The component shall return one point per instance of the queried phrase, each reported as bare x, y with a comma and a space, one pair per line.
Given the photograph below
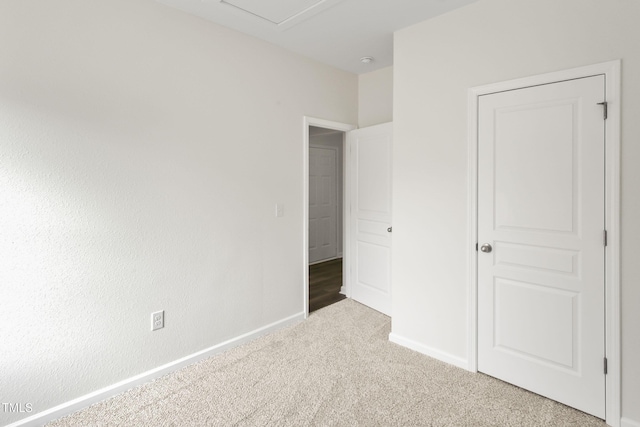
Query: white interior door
370, 234
541, 209
323, 204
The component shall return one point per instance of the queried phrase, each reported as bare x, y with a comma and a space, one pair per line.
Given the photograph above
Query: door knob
486, 248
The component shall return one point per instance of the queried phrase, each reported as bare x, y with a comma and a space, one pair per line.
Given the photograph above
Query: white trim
112, 390
626, 422
343, 127
472, 238
346, 219
460, 362
613, 89
611, 71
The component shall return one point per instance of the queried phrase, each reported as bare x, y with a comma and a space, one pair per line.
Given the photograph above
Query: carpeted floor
335, 369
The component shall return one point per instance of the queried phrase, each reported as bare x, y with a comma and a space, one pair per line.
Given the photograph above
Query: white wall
335, 139
142, 152
435, 63
375, 97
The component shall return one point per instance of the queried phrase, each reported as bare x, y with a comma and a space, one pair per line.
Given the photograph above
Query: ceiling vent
282, 14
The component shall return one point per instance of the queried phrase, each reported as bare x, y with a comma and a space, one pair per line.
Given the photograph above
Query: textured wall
436, 62
142, 152
375, 97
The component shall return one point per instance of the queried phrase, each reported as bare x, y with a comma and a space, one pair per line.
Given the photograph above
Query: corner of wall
429, 351
375, 97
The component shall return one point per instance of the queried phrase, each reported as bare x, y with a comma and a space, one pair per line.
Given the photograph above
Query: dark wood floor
325, 280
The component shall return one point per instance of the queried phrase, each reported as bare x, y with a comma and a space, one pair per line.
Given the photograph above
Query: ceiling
335, 32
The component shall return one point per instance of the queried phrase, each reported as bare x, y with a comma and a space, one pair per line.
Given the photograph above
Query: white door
541, 209
323, 207
370, 256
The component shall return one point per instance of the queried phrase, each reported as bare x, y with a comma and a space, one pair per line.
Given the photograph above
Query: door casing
344, 127
611, 71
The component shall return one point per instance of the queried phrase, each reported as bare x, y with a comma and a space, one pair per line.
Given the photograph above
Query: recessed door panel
529, 196
534, 322
374, 169
537, 259
373, 276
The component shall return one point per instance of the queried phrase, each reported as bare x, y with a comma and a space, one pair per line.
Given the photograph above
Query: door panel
323, 207
526, 198
541, 208
371, 216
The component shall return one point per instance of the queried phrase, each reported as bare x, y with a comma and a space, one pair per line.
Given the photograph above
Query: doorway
366, 211
326, 219
328, 262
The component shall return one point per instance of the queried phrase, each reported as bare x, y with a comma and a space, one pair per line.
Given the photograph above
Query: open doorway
326, 228
326, 219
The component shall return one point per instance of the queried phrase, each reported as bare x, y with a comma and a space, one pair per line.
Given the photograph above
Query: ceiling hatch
281, 13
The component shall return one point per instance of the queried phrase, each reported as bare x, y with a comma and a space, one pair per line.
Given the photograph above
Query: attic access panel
281, 13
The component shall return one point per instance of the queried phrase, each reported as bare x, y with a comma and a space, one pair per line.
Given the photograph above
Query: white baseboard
429, 351
112, 390
626, 422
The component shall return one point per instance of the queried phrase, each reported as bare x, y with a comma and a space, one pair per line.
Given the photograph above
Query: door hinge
604, 237
605, 109
605, 366
476, 247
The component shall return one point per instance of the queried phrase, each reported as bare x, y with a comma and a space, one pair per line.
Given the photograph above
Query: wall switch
279, 210
157, 320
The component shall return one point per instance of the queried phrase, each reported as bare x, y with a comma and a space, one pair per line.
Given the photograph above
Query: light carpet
337, 368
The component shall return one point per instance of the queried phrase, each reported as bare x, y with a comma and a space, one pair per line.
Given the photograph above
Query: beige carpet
335, 369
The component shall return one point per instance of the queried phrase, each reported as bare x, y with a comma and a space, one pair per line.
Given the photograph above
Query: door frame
611, 70
344, 127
